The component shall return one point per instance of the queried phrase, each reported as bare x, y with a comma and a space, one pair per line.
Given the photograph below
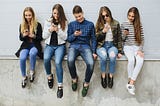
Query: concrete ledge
38, 93
147, 57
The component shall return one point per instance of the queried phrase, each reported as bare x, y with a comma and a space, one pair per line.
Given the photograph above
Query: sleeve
46, 34
93, 39
21, 35
122, 34
142, 39
39, 33
70, 34
119, 38
63, 34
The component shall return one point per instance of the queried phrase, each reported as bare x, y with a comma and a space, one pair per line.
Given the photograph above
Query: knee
112, 56
47, 58
33, 54
23, 58
90, 64
58, 63
131, 60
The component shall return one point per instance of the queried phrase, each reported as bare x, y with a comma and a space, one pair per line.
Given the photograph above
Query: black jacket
37, 41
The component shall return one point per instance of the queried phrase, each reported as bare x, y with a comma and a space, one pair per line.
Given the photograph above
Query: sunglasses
103, 16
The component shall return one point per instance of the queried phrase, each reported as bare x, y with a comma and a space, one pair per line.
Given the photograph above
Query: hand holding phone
126, 31
77, 32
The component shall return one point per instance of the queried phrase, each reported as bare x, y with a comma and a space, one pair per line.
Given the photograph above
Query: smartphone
126, 29
77, 29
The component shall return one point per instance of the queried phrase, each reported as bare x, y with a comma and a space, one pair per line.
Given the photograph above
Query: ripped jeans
107, 51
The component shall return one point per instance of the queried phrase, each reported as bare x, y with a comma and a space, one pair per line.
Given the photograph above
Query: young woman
133, 37
31, 35
55, 34
109, 44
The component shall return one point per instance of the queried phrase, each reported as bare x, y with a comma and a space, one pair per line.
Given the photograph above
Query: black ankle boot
60, 92
104, 81
110, 81
51, 82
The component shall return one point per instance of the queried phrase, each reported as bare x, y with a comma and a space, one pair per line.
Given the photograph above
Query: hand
140, 53
126, 32
53, 28
31, 35
94, 56
106, 28
119, 55
77, 33
26, 33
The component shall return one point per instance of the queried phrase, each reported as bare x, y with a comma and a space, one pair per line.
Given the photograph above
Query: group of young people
106, 40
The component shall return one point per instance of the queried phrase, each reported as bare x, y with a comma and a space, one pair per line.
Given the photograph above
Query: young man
82, 39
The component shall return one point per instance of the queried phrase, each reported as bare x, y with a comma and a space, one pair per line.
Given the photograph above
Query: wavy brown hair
137, 24
25, 24
100, 21
61, 18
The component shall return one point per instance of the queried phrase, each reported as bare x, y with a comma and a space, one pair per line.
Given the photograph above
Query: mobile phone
77, 29
126, 29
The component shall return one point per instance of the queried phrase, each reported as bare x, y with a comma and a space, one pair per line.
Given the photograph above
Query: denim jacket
117, 39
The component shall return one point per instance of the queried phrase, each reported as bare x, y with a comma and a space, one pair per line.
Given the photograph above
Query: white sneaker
130, 89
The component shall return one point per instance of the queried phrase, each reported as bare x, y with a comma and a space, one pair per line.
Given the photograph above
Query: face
55, 14
105, 16
131, 16
28, 16
79, 17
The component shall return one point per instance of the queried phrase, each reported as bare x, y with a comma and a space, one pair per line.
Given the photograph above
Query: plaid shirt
86, 40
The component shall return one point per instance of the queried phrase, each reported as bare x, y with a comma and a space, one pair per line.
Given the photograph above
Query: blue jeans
32, 52
58, 52
108, 50
87, 56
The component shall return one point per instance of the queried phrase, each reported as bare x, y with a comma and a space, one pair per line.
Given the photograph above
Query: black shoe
50, 82
110, 81
24, 82
32, 76
60, 92
104, 81
85, 90
75, 84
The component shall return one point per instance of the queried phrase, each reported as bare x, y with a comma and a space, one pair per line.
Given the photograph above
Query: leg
112, 52
59, 55
23, 57
88, 58
72, 54
48, 53
112, 58
131, 61
103, 58
32, 56
103, 62
138, 67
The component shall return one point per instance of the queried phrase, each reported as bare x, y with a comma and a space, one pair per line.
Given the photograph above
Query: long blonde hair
25, 25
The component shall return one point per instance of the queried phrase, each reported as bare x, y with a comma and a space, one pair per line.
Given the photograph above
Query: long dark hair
62, 18
136, 23
100, 21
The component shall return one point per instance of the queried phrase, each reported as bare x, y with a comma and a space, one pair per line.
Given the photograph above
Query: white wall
11, 15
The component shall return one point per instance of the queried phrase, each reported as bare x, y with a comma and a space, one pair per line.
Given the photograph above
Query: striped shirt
130, 39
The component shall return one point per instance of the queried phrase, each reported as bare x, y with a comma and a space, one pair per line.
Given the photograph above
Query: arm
46, 34
63, 34
119, 39
39, 33
21, 37
71, 37
93, 39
